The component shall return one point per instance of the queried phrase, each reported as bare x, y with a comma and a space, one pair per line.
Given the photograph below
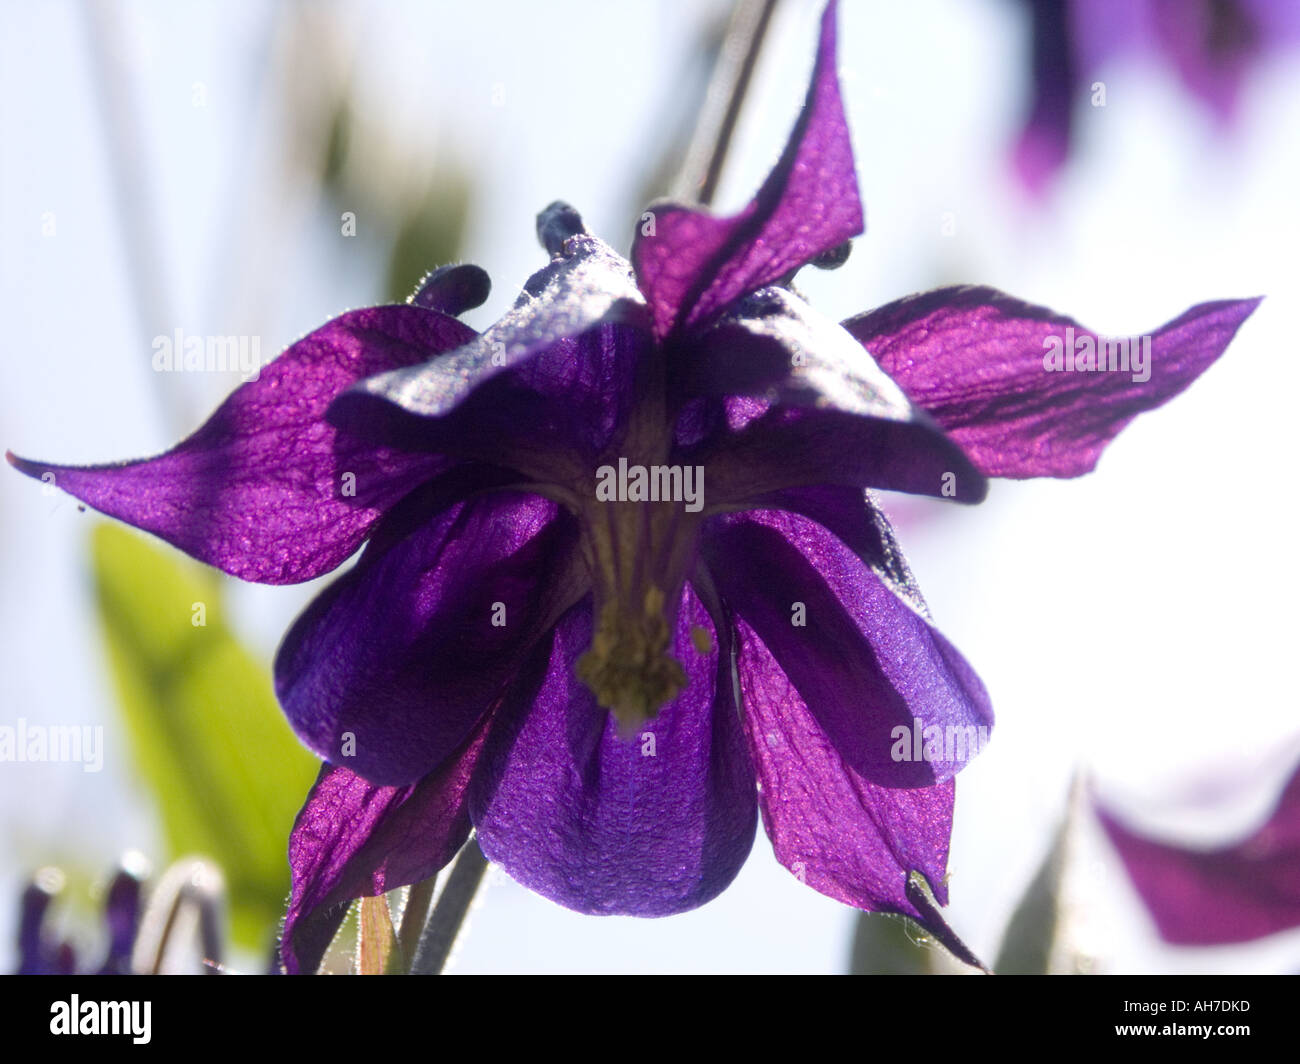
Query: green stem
727, 90
449, 912
414, 915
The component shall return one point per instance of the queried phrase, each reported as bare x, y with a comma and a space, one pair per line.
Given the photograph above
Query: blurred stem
727, 90
378, 952
134, 202
193, 884
450, 911
418, 900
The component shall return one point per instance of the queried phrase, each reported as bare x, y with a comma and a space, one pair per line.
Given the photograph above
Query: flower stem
415, 915
448, 914
727, 89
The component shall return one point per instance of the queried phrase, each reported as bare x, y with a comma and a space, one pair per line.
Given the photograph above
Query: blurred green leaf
885, 944
207, 735
1027, 942
420, 218
1039, 938
336, 146
429, 233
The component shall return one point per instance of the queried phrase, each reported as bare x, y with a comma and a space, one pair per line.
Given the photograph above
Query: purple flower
41, 953
38, 953
623, 588
1233, 893
1211, 44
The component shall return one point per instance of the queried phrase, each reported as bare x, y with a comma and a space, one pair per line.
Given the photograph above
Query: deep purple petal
654, 824
353, 839
829, 414
388, 670
695, 265
1232, 894
837, 832
266, 489
855, 518
122, 918
559, 362
37, 955
976, 360
730, 358
898, 701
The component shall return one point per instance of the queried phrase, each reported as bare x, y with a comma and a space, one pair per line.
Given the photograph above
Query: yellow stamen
628, 667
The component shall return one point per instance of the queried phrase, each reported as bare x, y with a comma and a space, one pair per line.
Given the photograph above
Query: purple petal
827, 415
353, 839
1213, 46
122, 917
647, 826
388, 670
695, 265
263, 490
1045, 141
1232, 894
36, 954
896, 699
977, 360
586, 288
855, 519
837, 832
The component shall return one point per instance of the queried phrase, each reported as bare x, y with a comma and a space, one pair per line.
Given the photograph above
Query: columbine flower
1211, 44
607, 683
1210, 896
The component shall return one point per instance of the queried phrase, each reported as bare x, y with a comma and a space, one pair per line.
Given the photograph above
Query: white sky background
1137, 624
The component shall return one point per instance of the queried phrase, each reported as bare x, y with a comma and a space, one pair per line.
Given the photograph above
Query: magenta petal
837, 832
654, 824
388, 670
266, 489
1232, 894
694, 265
1213, 47
976, 360
353, 840
896, 699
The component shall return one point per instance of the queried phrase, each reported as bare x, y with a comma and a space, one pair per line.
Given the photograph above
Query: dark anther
556, 224
835, 258
454, 289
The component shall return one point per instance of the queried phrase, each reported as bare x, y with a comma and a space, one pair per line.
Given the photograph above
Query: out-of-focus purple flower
122, 916
39, 953
1211, 44
1207, 897
608, 681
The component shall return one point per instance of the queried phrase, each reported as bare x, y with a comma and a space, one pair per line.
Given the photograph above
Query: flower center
640, 554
